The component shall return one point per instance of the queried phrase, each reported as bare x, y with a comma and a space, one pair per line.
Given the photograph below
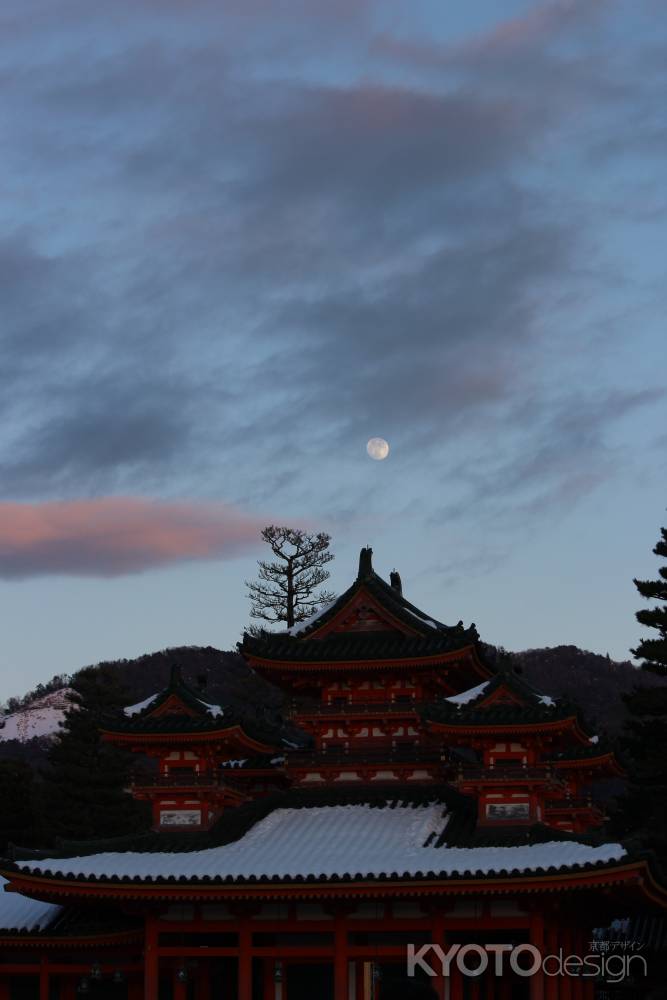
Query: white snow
546, 700
41, 718
422, 618
18, 913
594, 739
140, 705
215, 710
330, 841
470, 695
301, 626
234, 763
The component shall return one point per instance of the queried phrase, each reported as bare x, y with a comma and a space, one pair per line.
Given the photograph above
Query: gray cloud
227, 267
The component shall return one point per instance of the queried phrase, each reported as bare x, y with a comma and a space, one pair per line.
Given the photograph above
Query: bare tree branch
286, 588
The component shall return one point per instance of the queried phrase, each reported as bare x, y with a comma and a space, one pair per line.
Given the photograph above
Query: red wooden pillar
340, 958
268, 972
455, 982
44, 978
4, 989
438, 933
151, 959
566, 981
203, 981
245, 960
359, 980
537, 940
578, 982
552, 982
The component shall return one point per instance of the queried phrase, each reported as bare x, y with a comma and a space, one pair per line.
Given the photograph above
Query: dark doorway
310, 981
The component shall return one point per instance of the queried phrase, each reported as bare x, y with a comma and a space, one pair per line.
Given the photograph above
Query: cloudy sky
240, 239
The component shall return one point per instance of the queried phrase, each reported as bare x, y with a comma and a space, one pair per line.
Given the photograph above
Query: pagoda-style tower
360, 672
207, 757
525, 757
389, 695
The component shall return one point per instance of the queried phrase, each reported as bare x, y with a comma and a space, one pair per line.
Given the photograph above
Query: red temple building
420, 794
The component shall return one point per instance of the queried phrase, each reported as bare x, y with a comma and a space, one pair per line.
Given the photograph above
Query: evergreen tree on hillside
83, 793
643, 811
19, 822
653, 651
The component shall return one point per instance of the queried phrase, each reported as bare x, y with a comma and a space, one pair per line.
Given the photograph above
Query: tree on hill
19, 823
643, 811
287, 587
83, 792
653, 651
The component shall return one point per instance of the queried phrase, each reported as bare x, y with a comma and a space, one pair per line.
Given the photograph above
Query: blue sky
239, 240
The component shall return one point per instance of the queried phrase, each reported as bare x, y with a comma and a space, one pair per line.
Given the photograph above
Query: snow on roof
594, 739
18, 913
330, 841
545, 699
215, 710
470, 695
302, 626
140, 705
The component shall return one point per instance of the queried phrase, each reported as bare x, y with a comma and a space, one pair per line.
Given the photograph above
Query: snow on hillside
41, 718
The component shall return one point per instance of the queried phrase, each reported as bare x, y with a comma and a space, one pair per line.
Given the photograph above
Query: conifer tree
84, 791
286, 590
18, 816
643, 810
653, 651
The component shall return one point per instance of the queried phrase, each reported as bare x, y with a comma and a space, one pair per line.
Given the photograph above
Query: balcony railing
480, 772
569, 804
358, 756
176, 780
351, 708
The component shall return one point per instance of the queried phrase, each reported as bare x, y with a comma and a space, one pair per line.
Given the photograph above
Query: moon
377, 448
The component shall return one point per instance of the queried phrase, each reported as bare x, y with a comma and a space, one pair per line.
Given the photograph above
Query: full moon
377, 448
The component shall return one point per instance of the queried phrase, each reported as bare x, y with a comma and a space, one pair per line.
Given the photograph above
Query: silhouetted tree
654, 651
286, 590
19, 822
643, 810
84, 791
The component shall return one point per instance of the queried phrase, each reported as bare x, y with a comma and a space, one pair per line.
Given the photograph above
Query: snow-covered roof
18, 913
130, 710
140, 705
330, 842
307, 622
470, 695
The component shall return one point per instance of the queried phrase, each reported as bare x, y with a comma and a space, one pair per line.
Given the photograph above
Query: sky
238, 240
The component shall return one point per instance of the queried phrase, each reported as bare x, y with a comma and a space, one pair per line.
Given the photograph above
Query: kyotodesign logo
522, 960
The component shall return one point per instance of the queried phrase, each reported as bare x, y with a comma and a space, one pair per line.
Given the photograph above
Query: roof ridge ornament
365, 563
395, 581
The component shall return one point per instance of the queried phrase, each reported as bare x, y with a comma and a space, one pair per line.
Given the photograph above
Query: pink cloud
112, 536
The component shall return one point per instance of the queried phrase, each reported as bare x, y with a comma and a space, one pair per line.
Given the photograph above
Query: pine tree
286, 588
19, 822
84, 791
643, 810
654, 651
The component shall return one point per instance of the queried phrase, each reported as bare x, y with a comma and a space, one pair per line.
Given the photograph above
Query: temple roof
503, 700
399, 629
393, 839
20, 914
178, 709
